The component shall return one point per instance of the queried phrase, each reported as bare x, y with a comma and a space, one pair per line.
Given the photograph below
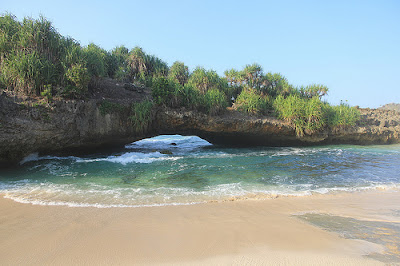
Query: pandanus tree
313, 90
96, 60
119, 57
179, 72
137, 62
121, 54
143, 67
275, 84
156, 67
234, 81
9, 28
30, 54
234, 78
253, 76
205, 80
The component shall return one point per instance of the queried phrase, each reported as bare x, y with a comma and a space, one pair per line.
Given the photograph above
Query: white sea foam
175, 143
30, 157
129, 157
95, 205
306, 151
170, 142
35, 157
102, 196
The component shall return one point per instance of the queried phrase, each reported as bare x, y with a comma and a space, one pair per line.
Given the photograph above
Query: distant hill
391, 106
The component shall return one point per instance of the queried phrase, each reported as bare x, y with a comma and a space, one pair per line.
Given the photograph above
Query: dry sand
251, 232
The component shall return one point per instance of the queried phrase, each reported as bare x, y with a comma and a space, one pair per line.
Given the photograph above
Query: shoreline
231, 232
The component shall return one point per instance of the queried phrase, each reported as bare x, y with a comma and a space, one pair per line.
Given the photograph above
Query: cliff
234, 128
32, 125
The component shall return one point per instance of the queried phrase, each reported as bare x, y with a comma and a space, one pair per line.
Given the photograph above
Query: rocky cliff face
234, 128
62, 125
375, 127
231, 128
28, 126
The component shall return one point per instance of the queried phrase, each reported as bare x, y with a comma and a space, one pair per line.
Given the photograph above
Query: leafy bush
188, 96
163, 91
179, 72
96, 60
31, 60
342, 115
47, 93
204, 80
214, 101
304, 114
143, 67
33, 55
275, 84
27, 72
315, 116
79, 76
313, 90
120, 55
250, 101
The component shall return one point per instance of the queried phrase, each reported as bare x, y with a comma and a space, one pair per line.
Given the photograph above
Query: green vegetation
179, 72
34, 55
342, 115
252, 101
214, 101
141, 115
312, 114
36, 60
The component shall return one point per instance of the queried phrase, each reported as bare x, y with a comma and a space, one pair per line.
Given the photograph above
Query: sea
183, 170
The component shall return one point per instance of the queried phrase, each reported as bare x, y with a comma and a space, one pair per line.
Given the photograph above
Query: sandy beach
246, 232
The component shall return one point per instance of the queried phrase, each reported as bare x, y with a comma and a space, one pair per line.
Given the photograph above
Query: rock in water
166, 152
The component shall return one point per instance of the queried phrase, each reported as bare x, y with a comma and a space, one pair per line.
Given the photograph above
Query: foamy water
176, 170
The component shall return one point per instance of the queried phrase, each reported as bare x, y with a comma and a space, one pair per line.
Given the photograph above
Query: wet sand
252, 232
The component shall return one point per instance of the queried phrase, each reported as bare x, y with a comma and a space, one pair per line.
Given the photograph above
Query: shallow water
196, 171
386, 234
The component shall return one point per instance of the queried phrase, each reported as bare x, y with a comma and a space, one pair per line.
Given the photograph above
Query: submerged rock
165, 152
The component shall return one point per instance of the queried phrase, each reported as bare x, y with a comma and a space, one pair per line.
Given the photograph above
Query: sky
353, 47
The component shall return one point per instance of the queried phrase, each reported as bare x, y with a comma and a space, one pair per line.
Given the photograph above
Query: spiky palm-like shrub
304, 114
162, 91
205, 80
141, 115
79, 76
214, 101
342, 115
251, 101
189, 97
96, 60
29, 54
179, 72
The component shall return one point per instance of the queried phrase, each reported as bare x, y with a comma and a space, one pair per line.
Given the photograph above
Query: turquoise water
196, 171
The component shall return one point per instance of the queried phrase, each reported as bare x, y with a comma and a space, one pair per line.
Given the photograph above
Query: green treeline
36, 60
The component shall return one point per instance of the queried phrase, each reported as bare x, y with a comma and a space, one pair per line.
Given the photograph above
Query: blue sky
353, 47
